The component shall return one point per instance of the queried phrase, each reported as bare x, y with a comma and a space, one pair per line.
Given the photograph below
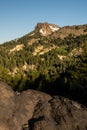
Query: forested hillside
54, 62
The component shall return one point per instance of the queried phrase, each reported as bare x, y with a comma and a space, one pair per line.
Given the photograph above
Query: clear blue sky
19, 17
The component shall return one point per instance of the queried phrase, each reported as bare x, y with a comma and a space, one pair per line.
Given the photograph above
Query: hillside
51, 59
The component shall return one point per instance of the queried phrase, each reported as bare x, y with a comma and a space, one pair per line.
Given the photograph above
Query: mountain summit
46, 28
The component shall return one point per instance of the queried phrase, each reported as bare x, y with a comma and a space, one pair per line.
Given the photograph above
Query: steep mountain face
34, 110
51, 59
46, 29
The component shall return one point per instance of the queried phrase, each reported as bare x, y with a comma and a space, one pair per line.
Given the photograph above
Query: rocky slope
34, 110
45, 29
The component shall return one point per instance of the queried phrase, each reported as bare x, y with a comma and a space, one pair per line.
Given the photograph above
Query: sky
19, 17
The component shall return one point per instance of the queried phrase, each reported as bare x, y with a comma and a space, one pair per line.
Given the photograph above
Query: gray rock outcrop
33, 110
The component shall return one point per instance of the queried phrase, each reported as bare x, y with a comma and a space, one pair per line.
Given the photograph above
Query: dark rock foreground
33, 110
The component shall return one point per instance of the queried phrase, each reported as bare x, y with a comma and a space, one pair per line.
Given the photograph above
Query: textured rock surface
46, 28
32, 110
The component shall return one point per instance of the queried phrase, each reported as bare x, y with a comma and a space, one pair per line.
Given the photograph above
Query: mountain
51, 59
46, 29
34, 110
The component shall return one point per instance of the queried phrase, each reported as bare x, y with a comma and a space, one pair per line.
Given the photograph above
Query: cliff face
45, 29
33, 110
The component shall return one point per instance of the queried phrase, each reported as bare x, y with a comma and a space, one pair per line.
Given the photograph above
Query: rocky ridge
34, 110
45, 28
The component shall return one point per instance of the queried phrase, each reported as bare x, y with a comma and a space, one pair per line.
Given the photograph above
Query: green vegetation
61, 70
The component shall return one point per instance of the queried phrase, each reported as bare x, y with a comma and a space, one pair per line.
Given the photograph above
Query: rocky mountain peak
46, 28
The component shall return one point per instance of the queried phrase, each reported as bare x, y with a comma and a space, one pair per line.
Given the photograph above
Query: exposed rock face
32, 110
16, 109
46, 29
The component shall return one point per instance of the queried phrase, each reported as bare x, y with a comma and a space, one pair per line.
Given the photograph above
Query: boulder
34, 110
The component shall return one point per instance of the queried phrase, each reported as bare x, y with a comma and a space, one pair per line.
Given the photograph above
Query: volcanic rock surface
45, 28
34, 110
